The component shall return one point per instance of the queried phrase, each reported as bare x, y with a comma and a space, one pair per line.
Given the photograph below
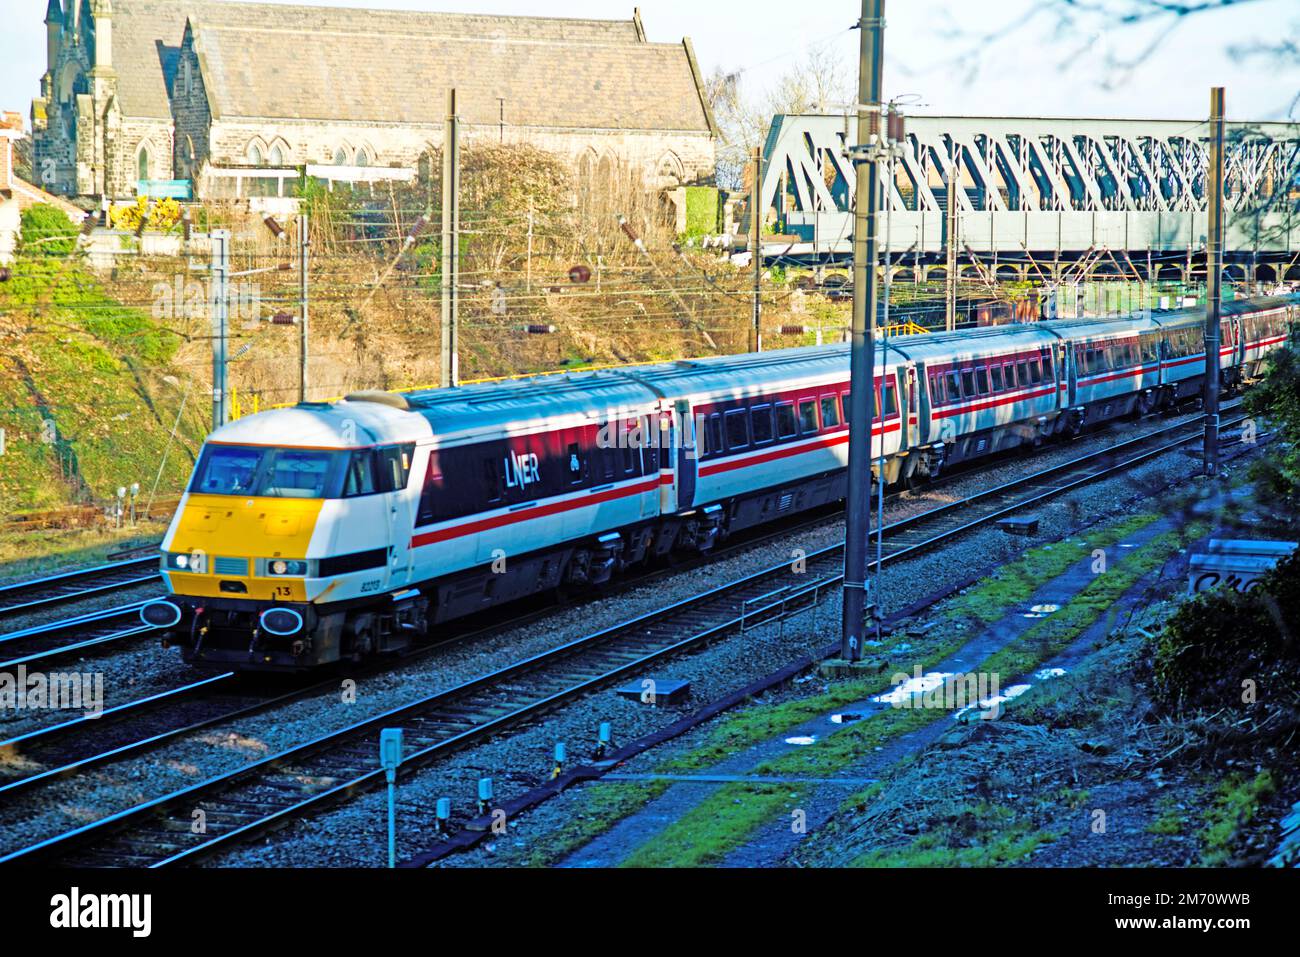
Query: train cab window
294, 473
968, 383
995, 373
713, 436
830, 412
737, 430
760, 423
982, 381
785, 422
807, 416
360, 477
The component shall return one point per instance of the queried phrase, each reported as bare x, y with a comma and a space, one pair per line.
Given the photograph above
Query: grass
44, 551
980, 835
82, 399
599, 807
1235, 805
707, 833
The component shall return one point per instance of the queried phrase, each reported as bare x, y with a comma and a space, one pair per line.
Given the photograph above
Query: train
335, 531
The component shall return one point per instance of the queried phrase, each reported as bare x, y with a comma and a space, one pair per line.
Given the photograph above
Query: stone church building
175, 89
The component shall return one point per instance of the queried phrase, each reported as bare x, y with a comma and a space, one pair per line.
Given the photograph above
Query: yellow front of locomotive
294, 524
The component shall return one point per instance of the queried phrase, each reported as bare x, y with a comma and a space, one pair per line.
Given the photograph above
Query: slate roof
329, 63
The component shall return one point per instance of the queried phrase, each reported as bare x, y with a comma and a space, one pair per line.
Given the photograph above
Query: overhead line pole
220, 323
450, 365
1214, 282
756, 244
304, 240
862, 331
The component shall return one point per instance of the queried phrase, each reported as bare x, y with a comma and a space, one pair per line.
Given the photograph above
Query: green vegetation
701, 211
1277, 398
601, 805
82, 397
979, 835
1224, 642
1236, 803
46, 231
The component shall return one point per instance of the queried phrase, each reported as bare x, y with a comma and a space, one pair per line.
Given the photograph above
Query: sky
953, 57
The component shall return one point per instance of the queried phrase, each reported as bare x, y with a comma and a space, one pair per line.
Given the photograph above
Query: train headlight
288, 566
183, 562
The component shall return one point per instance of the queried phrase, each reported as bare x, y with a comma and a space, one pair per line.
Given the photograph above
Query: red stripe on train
537, 511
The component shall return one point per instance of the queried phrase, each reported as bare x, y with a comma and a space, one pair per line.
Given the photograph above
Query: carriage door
909, 412
393, 467
687, 455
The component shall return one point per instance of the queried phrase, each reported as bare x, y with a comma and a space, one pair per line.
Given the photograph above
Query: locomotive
335, 531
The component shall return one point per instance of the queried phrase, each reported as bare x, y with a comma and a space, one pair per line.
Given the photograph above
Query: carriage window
1047, 368
846, 401
1035, 372
1010, 368
996, 373
982, 381
936, 390
807, 416
492, 478
713, 435
737, 431
628, 456
968, 383
785, 424
952, 386
830, 414
891, 399
760, 419
1023, 373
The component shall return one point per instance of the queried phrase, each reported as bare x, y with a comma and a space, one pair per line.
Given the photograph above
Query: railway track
21, 598
44, 644
276, 790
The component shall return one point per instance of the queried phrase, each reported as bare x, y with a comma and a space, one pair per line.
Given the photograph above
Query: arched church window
253, 154
277, 155
363, 157
340, 157
142, 163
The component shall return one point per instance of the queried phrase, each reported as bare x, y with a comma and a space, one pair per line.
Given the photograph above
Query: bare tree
819, 83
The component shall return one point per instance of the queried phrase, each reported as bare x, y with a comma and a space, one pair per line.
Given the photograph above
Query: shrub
1224, 637
46, 231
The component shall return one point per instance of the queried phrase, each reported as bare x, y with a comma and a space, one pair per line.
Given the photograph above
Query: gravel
353, 835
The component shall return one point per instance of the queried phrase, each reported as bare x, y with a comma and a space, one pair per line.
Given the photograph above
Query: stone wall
687, 156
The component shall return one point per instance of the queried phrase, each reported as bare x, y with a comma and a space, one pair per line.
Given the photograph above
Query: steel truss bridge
1044, 197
